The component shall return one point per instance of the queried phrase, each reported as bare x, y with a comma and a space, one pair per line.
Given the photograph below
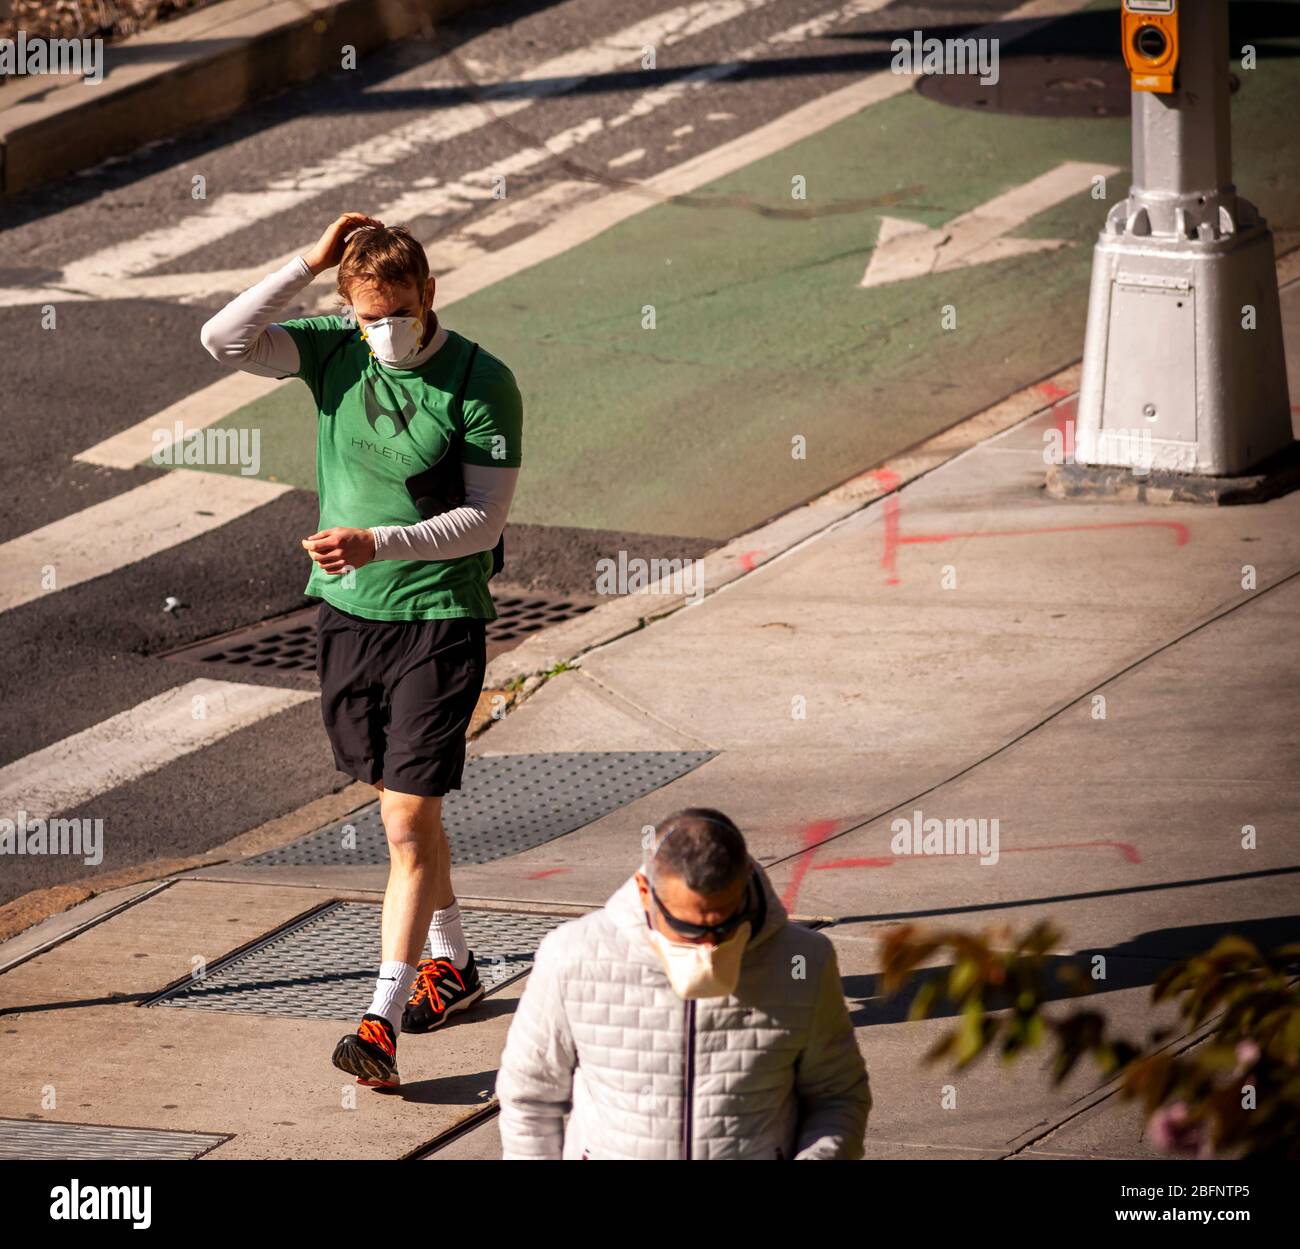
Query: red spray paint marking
1127, 851
843, 863
889, 560
747, 559
888, 480
550, 871
813, 836
1181, 534
1052, 392
1065, 414
1065, 421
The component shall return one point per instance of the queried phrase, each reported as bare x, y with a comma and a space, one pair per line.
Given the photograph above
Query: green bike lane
762, 335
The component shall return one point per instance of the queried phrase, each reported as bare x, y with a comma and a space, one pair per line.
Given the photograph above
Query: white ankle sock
392, 992
447, 938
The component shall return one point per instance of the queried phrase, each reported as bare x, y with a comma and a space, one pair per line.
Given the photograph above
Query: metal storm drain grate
288, 644
507, 804
324, 966
518, 616
78, 1142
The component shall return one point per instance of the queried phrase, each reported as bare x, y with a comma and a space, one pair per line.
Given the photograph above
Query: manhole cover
77, 1142
288, 644
323, 966
1040, 86
507, 803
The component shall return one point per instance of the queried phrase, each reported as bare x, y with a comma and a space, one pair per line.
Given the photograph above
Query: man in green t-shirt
419, 437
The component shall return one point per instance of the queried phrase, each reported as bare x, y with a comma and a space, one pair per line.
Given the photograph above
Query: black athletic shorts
397, 696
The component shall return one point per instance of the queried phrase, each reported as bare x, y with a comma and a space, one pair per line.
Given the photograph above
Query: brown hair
385, 256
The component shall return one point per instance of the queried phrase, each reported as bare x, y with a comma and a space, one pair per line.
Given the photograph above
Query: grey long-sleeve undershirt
244, 336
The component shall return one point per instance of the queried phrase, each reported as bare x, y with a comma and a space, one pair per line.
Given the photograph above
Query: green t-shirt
378, 426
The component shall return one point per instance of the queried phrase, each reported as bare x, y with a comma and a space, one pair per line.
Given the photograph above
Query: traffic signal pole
1184, 390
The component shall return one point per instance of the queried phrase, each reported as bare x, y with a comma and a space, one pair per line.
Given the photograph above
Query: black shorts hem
420, 789
358, 772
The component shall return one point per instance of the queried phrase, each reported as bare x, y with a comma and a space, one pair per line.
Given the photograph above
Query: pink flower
1247, 1056
1170, 1130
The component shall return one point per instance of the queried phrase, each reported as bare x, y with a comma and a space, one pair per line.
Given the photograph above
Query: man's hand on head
329, 247
337, 550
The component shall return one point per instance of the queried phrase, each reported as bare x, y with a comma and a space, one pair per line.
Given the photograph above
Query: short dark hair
701, 847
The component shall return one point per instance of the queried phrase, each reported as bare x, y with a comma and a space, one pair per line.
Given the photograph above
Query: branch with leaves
1235, 1091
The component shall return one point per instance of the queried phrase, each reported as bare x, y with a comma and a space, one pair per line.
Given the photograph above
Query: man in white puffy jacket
685, 1019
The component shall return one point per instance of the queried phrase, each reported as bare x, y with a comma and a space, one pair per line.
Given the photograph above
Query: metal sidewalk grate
324, 966
288, 644
26, 1139
508, 804
517, 617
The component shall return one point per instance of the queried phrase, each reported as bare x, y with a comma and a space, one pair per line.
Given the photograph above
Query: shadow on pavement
1128, 966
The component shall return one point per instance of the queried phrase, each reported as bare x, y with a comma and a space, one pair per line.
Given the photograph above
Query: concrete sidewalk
1092, 676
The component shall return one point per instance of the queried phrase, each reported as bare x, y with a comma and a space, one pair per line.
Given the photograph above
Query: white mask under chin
394, 340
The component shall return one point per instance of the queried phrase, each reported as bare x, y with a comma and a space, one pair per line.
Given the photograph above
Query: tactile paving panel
289, 643
80, 1142
324, 967
507, 804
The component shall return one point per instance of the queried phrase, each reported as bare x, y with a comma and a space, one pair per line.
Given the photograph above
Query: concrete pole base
1276, 476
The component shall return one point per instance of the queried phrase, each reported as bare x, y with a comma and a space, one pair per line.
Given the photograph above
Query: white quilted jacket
601, 1039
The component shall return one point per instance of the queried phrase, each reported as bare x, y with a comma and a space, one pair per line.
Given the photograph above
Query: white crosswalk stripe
196, 411
446, 252
124, 530
133, 743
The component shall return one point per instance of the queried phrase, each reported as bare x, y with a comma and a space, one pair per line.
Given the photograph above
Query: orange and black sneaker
440, 989
370, 1053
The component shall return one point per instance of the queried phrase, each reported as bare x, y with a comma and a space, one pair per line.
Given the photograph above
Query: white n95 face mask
697, 971
394, 340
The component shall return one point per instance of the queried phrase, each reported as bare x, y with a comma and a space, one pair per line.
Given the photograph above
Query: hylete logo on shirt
385, 421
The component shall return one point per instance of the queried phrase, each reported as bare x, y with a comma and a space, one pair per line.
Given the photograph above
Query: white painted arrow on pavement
908, 249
